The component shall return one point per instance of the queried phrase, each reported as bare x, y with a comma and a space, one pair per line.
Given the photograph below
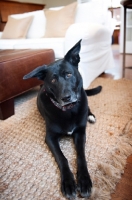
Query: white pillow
58, 21
37, 27
56, 8
16, 28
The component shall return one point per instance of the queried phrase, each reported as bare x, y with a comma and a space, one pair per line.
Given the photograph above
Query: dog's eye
68, 75
53, 80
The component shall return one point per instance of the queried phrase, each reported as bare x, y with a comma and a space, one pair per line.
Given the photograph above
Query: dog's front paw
84, 185
68, 187
91, 118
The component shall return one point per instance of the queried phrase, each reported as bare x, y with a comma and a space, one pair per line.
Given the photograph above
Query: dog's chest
70, 132
70, 129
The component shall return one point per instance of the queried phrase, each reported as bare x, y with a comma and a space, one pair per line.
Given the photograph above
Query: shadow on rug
28, 170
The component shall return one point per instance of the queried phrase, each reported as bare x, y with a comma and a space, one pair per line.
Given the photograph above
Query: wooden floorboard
123, 189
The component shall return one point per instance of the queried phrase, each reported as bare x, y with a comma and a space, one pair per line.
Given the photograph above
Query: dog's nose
66, 98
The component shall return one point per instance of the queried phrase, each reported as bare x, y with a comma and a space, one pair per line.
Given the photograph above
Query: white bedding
57, 44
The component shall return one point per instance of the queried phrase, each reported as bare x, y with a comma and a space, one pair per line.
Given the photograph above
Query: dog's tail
93, 91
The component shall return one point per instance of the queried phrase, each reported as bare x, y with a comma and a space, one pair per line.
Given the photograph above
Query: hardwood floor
124, 187
116, 72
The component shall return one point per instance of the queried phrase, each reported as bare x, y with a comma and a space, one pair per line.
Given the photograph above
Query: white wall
54, 3
31, 1
49, 3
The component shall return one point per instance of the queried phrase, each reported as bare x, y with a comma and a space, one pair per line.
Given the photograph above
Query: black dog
62, 102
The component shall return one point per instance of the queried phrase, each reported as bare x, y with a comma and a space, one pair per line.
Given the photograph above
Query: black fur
63, 103
93, 91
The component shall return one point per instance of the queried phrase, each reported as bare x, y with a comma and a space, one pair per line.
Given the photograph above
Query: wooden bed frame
13, 7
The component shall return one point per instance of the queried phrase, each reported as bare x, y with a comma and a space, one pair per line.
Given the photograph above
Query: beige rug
28, 170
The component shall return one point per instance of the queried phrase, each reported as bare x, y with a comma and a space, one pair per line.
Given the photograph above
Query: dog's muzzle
66, 102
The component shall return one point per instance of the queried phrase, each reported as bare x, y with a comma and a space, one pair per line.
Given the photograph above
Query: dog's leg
68, 186
83, 178
91, 117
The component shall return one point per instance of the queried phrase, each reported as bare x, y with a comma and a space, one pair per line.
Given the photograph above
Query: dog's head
62, 81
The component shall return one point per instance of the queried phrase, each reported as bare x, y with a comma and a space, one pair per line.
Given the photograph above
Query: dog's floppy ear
72, 55
39, 72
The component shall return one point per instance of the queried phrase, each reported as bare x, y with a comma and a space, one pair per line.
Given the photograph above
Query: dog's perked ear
39, 73
72, 55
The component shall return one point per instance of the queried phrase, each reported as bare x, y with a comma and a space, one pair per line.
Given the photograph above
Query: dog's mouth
68, 103
64, 105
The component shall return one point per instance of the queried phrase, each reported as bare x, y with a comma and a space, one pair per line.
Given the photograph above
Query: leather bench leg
6, 109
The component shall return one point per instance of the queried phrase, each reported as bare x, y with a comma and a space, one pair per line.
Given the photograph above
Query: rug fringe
99, 194
118, 161
108, 175
128, 129
109, 170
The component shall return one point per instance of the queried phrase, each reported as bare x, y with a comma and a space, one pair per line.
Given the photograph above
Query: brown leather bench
14, 64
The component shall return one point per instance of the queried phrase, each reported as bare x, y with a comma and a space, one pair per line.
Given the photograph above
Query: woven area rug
28, 169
